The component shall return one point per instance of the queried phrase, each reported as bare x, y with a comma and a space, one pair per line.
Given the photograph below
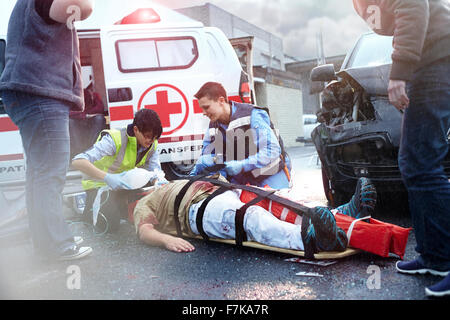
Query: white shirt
107, 147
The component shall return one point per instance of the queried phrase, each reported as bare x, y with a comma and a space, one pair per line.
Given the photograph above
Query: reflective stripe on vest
269, 170
123, 160
240, 122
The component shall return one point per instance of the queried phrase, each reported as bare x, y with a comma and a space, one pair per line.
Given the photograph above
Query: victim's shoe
363, 201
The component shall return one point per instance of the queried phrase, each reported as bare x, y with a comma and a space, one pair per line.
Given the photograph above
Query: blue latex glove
233, 168
161, 182
115, 181
203, 162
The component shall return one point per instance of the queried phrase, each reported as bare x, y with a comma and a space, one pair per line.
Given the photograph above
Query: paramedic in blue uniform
40, 84
242, 137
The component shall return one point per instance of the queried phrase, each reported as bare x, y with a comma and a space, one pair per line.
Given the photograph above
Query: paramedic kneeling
242, 137
114, 153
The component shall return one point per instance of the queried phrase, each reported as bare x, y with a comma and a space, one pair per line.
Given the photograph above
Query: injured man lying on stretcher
156, 222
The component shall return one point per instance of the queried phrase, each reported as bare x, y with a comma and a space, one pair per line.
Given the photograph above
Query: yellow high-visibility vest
123, 160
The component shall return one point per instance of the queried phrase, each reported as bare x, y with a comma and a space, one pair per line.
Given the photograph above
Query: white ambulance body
12, 162
153, 58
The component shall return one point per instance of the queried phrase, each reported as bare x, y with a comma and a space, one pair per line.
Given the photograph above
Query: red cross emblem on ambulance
169, 103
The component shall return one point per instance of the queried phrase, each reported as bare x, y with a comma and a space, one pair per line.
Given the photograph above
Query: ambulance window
140, 55
175, 53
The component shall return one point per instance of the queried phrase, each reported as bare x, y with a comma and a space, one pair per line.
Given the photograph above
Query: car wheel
340, 197
178, 170
335, 196
327, 186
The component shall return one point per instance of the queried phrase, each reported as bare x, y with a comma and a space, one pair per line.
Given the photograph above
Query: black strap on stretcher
178, 200
201, 211
183, 191
241, 236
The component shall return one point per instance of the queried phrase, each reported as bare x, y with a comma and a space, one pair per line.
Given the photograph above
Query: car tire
334, 195
177, 171
327, 186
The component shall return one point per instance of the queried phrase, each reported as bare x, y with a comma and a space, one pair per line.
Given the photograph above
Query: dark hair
213, 91
147, 121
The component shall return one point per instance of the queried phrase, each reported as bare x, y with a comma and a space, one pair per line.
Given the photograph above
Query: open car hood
374, 80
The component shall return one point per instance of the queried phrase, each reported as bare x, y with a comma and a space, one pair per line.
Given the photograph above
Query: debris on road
321, 263
308, 274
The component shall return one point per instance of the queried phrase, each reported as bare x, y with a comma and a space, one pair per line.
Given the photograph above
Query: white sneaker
78, 240
74, 253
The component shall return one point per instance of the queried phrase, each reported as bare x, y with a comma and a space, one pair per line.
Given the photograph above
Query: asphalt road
123, 268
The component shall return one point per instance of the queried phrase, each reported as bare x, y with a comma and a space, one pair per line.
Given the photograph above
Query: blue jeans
44, 128
423, 147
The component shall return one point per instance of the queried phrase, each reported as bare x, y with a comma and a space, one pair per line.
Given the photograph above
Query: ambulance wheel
177, 170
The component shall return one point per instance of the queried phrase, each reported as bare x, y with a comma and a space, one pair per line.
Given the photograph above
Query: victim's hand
176, 244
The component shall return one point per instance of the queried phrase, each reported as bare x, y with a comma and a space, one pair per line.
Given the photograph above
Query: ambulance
153, 58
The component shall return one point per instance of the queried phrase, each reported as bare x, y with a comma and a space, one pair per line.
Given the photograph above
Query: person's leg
363, 201
424, 146
43, 125
263, 227
115, 207
87, 211
276, 181
320, 231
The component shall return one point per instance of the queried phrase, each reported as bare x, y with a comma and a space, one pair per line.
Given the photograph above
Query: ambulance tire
177, 171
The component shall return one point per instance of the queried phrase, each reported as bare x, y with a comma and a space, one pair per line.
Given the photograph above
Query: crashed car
359, 131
